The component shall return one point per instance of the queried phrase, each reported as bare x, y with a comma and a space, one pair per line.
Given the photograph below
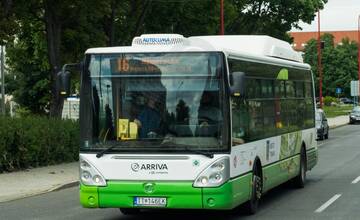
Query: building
300, 38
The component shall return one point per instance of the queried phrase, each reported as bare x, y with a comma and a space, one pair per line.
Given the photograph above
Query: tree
52, 24
65, 28
30, 79
339, 64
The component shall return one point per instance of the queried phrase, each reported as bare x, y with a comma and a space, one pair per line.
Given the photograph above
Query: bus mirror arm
237, 84
63, 78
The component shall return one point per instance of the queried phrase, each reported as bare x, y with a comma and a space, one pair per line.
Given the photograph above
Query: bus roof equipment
257, 45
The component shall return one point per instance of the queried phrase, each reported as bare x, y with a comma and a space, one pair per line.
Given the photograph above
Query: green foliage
339, 64
329, 99
28, 64
37, 141
51, 33
334, 111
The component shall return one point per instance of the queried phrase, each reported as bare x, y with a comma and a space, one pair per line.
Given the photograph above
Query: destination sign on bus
149, 65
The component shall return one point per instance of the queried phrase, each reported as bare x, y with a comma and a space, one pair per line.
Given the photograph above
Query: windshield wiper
101, 153
206, 154
186, 147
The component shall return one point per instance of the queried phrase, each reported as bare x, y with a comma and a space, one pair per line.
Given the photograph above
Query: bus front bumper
179, 195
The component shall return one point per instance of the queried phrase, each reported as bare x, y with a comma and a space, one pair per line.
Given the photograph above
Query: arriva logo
135, 167
149, 167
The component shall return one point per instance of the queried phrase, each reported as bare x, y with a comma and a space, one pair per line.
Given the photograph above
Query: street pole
319, 62
2, 81
359, 58
222, 31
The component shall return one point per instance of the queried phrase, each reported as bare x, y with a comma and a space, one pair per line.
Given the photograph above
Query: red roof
300, 38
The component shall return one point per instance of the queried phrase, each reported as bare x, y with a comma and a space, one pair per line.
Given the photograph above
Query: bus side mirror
237, 84
63, 83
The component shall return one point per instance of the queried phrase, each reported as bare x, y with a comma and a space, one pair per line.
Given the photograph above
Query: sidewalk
35, 181
338, 121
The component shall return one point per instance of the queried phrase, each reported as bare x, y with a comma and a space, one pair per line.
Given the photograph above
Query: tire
300, 180
252, 205
327, 134
129, 211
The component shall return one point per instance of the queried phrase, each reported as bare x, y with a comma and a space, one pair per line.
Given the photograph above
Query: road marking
356, 180
328, 203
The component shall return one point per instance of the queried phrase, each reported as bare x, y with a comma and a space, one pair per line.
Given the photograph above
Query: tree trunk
141, 18
53, 36
112, 25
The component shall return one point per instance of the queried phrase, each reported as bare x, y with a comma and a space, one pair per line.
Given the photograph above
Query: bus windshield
155, 102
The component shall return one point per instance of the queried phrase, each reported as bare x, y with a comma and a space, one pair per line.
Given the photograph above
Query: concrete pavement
35, 181
338, 121
21, 184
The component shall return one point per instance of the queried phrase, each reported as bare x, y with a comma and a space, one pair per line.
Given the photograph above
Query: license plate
150, 201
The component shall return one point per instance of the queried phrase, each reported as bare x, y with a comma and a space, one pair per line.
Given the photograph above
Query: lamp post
2, 80
359, 58
222, 32
319, 62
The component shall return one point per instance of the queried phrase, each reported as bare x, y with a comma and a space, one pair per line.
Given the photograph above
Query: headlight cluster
214, 175
89, 175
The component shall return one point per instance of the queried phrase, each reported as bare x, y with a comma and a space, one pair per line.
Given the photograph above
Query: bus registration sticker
150, 201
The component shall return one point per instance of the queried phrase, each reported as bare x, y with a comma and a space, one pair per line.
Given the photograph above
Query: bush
328, 100
37, 141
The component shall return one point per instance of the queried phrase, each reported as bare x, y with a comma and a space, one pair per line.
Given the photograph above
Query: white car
355, 115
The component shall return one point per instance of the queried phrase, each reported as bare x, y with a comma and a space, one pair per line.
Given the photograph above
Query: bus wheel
252, 205
129, 211
299, 180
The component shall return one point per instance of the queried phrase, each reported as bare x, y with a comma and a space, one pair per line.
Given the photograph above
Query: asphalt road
332, 192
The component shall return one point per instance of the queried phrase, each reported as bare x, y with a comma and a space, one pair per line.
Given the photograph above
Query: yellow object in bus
127, 130
123, 128
133, 132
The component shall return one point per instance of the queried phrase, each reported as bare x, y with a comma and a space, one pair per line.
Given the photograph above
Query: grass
333, 111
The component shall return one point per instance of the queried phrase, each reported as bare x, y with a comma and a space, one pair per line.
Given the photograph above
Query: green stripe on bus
180, 195
229, 195
280, 172
89, 196
122, 193
312, 158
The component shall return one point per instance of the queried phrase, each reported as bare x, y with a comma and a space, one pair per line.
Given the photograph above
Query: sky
337, 15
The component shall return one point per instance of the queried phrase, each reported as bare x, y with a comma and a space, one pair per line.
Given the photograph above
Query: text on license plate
149, 201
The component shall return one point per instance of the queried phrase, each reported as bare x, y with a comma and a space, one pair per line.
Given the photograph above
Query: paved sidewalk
338, 121
35, 181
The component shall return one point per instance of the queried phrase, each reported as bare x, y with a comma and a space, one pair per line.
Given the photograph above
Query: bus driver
149, 119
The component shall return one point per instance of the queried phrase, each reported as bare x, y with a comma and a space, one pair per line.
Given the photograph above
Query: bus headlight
214, 175
89, 176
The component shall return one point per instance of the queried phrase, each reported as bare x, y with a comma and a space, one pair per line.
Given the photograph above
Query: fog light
211, 202
91, 200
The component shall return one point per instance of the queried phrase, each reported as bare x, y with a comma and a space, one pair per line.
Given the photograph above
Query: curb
66, 186
338, 125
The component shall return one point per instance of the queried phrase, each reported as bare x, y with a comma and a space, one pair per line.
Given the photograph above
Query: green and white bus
207, 122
